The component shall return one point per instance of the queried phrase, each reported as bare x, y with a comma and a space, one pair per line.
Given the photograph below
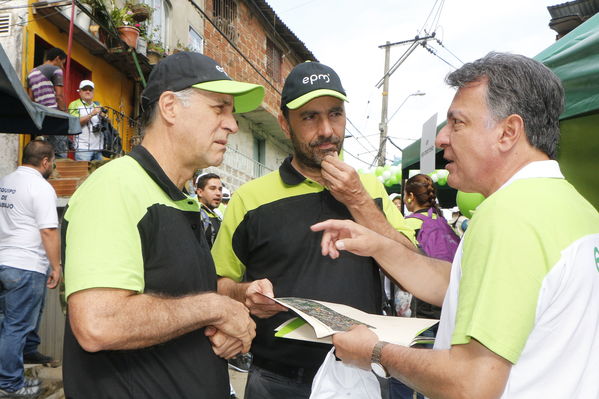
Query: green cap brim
300, 101
248, 96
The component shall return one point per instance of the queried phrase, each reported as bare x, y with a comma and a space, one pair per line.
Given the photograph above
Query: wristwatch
375, 360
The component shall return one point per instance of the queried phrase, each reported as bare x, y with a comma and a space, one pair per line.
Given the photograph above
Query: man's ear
284, 124
511, 133
167, 106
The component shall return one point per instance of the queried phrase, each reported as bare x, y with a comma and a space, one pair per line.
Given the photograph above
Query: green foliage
109, 15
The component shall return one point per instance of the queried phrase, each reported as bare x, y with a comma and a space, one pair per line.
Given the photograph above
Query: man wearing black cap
143, 318
266, 237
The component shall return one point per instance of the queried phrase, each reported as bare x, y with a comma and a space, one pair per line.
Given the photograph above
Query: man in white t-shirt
89, 144
29, 260
520, 301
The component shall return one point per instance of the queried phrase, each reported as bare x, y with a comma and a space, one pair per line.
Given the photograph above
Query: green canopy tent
575, 60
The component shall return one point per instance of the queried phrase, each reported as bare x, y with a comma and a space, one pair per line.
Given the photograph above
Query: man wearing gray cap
143, 318
265, 235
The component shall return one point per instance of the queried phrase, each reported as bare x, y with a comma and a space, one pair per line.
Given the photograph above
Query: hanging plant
140, 11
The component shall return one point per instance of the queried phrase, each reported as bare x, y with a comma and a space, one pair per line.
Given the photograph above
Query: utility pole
383, 124
385, 83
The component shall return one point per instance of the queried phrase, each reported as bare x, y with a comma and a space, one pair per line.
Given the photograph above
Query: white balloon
386, 174
442, 173
381, 179
434, 177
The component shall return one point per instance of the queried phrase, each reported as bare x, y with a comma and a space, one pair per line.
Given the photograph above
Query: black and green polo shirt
129, 227
266, 234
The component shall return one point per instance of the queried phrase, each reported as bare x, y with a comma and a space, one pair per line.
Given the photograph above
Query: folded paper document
319, 320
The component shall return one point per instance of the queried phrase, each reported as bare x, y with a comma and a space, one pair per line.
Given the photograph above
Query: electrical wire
449, 51
34, 19
360, 133
355, 157
434, 52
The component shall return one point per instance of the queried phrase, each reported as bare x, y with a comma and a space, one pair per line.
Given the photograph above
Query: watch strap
377, 352
375, 360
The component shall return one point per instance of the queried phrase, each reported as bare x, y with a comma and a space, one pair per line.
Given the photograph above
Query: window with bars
225, 17
273, 61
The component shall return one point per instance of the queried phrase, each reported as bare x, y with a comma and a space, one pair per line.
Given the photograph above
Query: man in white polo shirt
29, 260
520, 302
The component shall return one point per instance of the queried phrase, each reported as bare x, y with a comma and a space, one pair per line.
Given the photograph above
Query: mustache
325, 140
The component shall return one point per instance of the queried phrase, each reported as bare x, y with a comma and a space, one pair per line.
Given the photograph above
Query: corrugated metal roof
286, 34
582, 8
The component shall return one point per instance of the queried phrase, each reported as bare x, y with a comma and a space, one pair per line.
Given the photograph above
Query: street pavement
238, 381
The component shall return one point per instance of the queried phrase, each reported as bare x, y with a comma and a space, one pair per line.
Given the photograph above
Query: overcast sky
345, 34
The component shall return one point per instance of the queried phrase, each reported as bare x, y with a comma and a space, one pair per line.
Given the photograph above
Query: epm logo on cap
315, 78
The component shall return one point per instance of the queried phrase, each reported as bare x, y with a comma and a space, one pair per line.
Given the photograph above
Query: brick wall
251, 41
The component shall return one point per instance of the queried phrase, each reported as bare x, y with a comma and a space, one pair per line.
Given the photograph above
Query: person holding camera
89, 144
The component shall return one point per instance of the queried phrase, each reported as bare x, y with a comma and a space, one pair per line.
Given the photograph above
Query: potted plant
140, 11
121, 21
155, 52
180, 47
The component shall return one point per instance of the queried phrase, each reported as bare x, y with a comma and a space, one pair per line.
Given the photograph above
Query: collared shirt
129, 227
88, 139
266, 234
525, 284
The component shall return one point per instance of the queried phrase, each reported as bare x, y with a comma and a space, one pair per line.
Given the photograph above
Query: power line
449, 51
361, 134
434, 52
22, 23
355, 157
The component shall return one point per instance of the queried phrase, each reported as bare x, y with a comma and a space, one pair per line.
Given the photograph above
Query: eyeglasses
86, 88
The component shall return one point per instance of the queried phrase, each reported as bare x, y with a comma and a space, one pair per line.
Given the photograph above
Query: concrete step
67, 175
51, 380
64, 187
70, 168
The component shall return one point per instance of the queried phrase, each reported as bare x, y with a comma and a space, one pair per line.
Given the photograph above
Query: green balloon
441, 180
467, 202
378, 171
394, 180
388, 183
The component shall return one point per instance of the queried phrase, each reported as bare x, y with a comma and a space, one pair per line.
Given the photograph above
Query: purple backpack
437, 239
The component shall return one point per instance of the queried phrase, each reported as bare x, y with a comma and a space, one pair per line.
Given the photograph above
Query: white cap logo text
314, 78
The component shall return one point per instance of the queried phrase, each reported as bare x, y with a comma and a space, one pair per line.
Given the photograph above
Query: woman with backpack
436, 239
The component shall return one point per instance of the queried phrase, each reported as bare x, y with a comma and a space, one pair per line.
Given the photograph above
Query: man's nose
326, 128
442, 139
230, 124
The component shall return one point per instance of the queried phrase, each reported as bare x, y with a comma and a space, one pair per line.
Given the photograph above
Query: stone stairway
51, 380
68, 175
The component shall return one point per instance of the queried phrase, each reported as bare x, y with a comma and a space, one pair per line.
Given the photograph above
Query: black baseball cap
189, 69
309, 80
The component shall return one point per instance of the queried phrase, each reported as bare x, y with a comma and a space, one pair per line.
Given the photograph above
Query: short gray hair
149, 114
519, 85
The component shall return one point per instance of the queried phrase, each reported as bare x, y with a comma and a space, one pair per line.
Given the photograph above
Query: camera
104, 110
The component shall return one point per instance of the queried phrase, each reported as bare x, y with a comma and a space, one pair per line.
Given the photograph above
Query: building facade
245, 36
